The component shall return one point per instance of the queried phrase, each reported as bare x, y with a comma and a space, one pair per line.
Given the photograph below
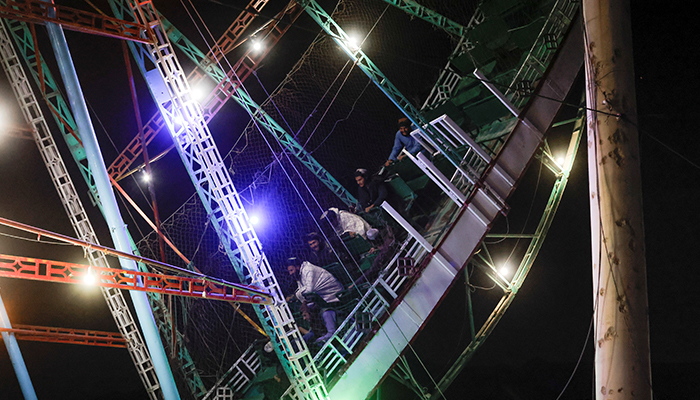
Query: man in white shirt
313, 279
347, 222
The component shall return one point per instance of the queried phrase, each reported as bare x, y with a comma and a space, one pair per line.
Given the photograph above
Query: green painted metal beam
430, 16
526, 263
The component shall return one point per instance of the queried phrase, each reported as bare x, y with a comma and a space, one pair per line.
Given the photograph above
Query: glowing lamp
254, 219
353, 42
199, 93
257, 46
560, 160
89, 278
505, 270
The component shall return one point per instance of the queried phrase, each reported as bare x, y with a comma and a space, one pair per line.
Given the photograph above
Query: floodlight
560, 159
89, 278
256, 45
254, 219
353, 42
505, 270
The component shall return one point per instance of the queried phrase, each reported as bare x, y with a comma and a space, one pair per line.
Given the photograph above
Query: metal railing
542, 51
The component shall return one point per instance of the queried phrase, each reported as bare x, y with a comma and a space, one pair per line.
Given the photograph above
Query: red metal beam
65, 335
272, 32
259, 296
18, 132
62, 272
229, 39
37, 11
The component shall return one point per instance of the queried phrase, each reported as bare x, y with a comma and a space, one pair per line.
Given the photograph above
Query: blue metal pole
15, 355
111, 209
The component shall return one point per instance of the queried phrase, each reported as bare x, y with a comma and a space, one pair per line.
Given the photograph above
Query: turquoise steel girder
430, 16
178, 39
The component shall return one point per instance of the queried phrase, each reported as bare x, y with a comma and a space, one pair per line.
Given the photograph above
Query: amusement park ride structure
476, 179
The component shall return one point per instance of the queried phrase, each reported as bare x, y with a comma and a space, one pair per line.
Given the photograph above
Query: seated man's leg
329, 321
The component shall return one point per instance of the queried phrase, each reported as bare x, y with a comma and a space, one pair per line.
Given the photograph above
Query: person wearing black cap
371, 192
403, 140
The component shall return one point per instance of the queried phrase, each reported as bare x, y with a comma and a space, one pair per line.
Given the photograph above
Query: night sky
533, 350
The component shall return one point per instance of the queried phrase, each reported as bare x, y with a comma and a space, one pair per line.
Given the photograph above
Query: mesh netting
345, 121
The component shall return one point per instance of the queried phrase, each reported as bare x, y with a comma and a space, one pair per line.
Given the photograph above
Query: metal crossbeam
231, 38
229, 86
430, 16
65, 335
536, 242
24, 40
38, 11
63, 272
119, 168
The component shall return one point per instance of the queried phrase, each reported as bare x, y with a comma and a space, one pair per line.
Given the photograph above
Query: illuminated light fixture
256, 45
560, 159
89, 278
254, 219
146, 177
353, 42
505, 270
199, 93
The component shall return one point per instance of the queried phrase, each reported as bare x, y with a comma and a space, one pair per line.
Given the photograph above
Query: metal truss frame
74, 208
64, 272
38, 11
511, 288
24, 41
215, 188
66, 335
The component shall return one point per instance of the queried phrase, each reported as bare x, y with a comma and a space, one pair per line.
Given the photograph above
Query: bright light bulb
89, 278
353, 42
254, 219
505, 270
257, 46
146, 177
199, 93
560, 160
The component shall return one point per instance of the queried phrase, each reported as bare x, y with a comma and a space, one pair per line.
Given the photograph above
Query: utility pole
622, 363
